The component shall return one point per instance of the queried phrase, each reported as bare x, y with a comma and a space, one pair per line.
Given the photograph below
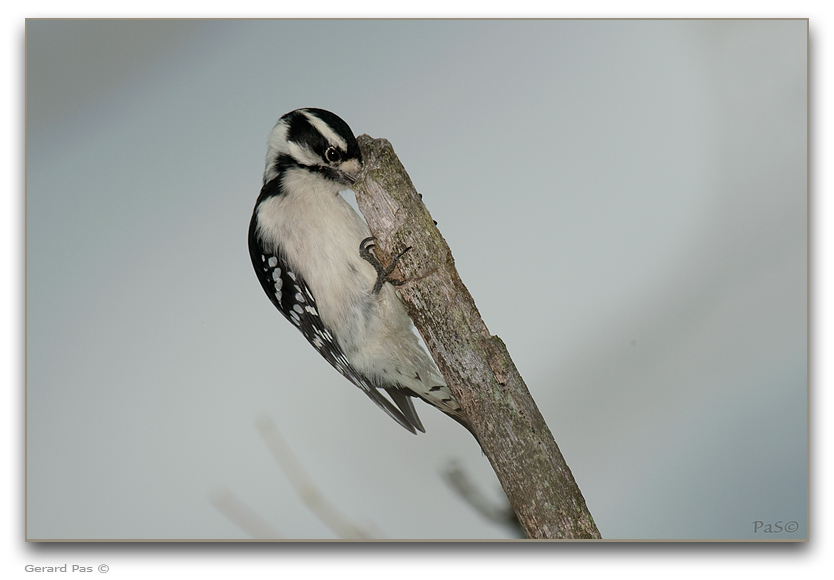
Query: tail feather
406, 405
393, 412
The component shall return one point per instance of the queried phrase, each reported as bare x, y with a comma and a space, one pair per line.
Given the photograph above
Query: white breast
318, 234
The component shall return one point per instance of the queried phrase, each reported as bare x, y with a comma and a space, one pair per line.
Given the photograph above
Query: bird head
316, 140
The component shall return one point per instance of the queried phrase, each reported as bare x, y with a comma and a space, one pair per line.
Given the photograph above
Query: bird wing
290, 294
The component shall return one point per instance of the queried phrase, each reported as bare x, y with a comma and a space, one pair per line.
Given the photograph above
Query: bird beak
350, 170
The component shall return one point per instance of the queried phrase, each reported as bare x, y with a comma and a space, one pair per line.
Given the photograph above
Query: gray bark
476, 365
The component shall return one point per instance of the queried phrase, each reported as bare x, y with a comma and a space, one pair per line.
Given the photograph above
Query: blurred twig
503, 515
304, 486
243, 516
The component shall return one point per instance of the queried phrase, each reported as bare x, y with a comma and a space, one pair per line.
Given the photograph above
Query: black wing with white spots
289, 293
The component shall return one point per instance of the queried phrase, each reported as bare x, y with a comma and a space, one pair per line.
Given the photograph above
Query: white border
760, 561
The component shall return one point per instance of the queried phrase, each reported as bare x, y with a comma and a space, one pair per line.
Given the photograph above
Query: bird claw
382, 273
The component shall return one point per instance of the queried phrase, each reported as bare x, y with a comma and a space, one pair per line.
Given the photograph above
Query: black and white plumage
304, 241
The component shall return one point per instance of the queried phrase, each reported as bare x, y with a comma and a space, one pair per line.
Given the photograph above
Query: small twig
243, 516
501, 514
304, 486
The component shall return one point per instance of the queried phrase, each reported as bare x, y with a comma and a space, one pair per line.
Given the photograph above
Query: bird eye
333, 155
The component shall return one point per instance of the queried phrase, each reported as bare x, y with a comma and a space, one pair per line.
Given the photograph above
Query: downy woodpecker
312, 254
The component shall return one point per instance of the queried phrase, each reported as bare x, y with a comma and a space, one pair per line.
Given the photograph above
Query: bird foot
382, 273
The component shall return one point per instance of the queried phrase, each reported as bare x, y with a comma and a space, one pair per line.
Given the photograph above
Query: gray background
626, 201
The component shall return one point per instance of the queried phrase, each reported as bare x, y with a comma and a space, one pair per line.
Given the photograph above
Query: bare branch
498, 407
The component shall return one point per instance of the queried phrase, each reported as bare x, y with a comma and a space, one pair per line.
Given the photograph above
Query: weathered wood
499, 409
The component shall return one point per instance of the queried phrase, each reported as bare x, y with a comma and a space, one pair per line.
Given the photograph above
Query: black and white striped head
314, 139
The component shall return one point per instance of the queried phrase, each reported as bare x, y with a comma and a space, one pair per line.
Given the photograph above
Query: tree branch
477, 367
